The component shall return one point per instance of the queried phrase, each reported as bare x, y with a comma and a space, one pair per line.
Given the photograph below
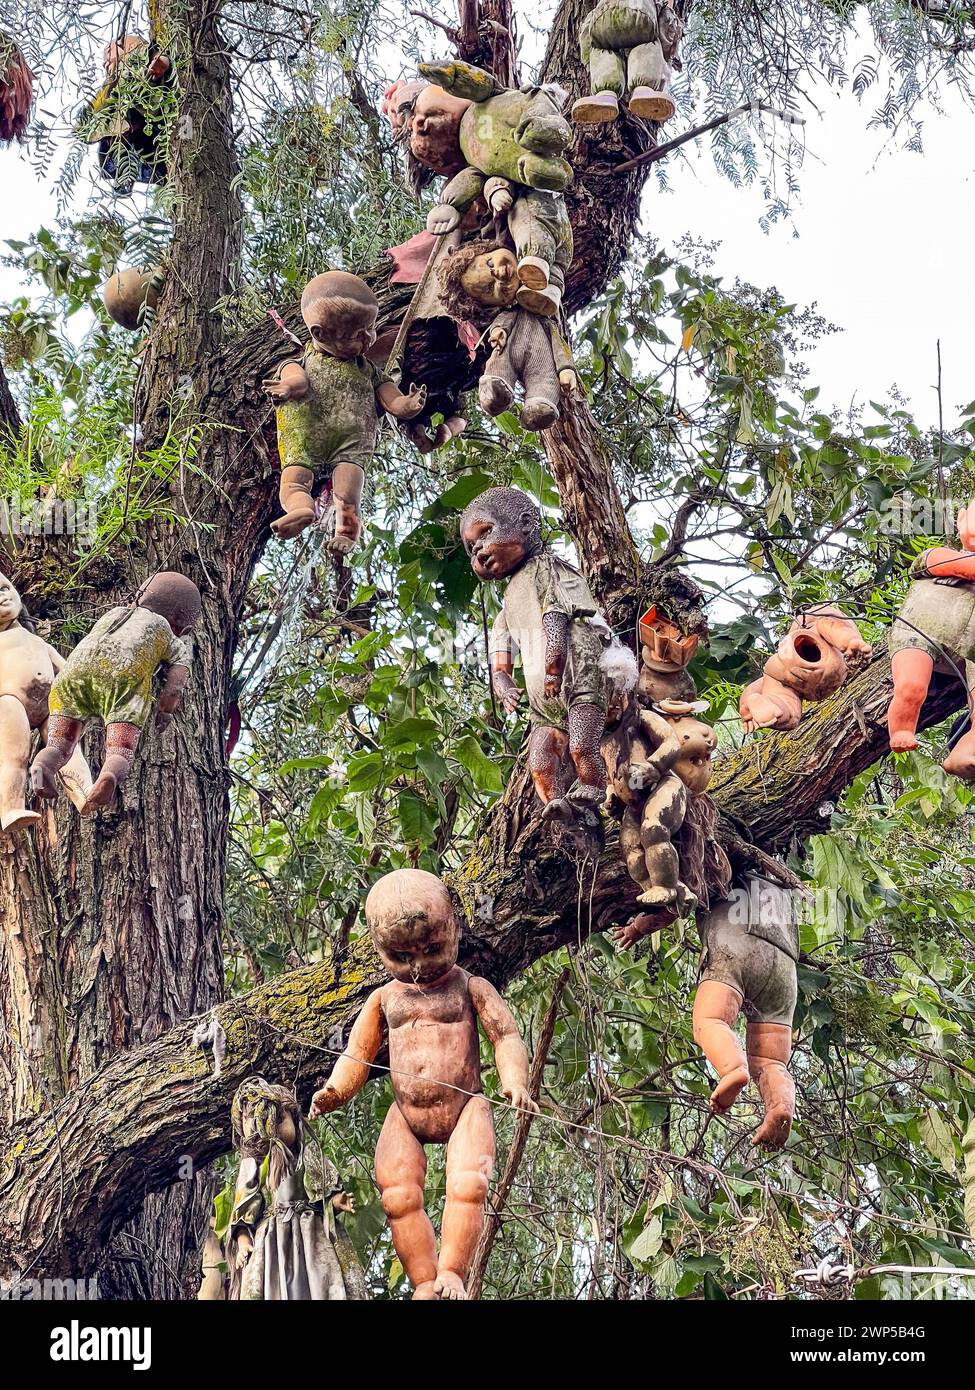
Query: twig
658, 151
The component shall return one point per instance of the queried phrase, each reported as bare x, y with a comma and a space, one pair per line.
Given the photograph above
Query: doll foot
538, 414
42, 779
657, 897
595, 109
775, 1128
101, 795
961, 765
903, 741
425, 1293
494, 395
449, 1285
651, 105
293, 523
544, 302
14, 821
533, 272
728, 1089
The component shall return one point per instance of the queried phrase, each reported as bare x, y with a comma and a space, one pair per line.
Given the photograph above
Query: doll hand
643, 776
553, 685
614, 805
497, 338
500, 198
277, 390
511, 699
569, 383
520, 1098
416, 399
326, 1100
442, 219
344, 1201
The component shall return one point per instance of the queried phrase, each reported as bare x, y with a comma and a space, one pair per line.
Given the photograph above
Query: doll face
492, 278
421, 951
435, 128
495, 549
697, 742
10, 603
341, 328
397, 104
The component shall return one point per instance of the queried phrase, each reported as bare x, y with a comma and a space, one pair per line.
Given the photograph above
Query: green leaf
486, 774
936, 1138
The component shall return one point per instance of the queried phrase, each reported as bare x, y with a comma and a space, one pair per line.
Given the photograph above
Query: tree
117, 932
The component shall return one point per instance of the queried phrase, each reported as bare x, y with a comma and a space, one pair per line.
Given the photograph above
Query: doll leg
960, 761
647, 72
631, 844
769, 1048
121, 741
470, 1162
63, 735
401, 1171
768, 704
716, 1007
14, 753
496, 388
297, 503
607, 77
75, 775
911, 669
547, 750
663, 816
540, 380
347, 480
587, 723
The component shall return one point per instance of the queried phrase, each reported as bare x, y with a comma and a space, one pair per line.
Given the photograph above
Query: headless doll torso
26, 671
433, 1039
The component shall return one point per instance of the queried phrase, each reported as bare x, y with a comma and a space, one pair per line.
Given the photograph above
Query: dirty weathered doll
657, 758
935, 631
552, 619
751, 946
809, 664
628, 46
110, 676
328, 407
28, 667
428, 1015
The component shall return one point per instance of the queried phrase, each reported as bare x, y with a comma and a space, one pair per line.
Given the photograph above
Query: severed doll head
413, 926
435, 130
11, 604
500, 529
173, 597
477, 276
340, 312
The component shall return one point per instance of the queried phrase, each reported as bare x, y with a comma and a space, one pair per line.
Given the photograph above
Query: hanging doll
110, 676
428, 1017
751, 946
552, 619
328, 404
810, 664
628, 46
284, 1242
935, 631
127, 295
127, 115
16, 92
28, 667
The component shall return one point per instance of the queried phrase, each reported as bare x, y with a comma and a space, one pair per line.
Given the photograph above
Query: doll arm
351, 1071
667, 749
556, 628
945, 563
510, 1053
565, 364
400, 406
499, 194
290, 383
171, 694
501, 654
455, 199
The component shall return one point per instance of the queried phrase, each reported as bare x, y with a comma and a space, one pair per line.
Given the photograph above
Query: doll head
478, 276
173, 597
501, 529
11, 604
398, 102
413, 926
655, 686
807, 664
128, 293
120, 49
340, 312
435, 130
265, 1118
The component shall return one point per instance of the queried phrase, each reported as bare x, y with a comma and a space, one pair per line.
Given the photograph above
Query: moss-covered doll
284, 1240
112, 675
28, 667
551, 618
328, 407
629, 46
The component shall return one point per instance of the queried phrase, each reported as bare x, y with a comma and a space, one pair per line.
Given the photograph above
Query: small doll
809, 664
284, 1241
16, 92
28, 667
658, 757
935, 631
552, 619
628, 46
751, 946
328, 406
127, 135
428, 1017
110, 675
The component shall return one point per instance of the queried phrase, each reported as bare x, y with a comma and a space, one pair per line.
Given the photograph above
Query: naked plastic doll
111, 675
935, 631
751, 947
28, 667
657, 758
428, 1015
328, 407
809, 664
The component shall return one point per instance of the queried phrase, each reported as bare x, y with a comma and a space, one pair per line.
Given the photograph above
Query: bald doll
428, 1016
328, 407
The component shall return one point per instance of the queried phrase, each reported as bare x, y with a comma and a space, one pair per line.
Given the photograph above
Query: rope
826, 1277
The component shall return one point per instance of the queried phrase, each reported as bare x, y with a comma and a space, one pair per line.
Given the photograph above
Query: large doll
112, 675
809, 665
127, 115
751, 946
428, 1017
935, 631
28, 667
551, 619
285, 1240
629, 46
328, 407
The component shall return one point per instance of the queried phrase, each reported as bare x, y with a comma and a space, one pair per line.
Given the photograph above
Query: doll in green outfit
328, 407
111, 675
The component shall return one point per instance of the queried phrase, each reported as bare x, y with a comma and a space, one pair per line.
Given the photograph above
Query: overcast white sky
883, 245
